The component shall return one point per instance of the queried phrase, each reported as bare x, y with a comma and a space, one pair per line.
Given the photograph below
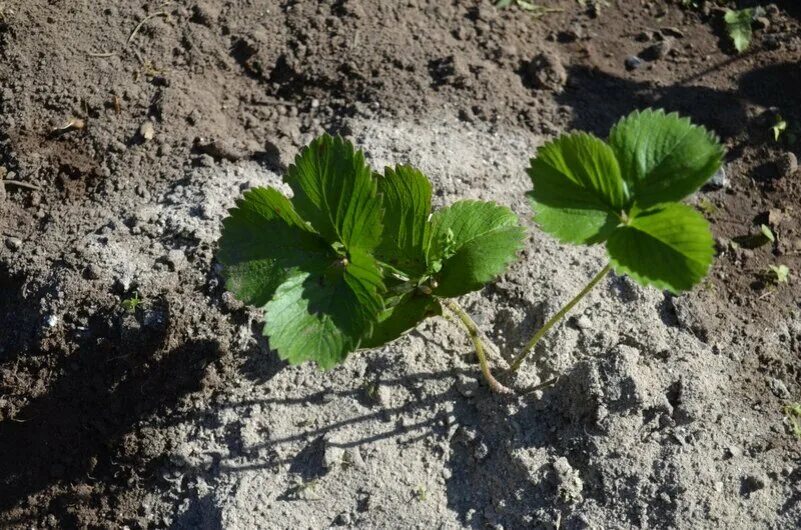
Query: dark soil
85, 383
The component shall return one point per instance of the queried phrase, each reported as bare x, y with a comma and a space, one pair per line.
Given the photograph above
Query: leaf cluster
624, 193
355, 258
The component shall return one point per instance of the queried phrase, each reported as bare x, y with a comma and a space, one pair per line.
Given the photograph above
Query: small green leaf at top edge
739, 26
472, 243
668, 246
262, 240
322, 315
579, 192
403, 316
406, 196
335, 191
663, 157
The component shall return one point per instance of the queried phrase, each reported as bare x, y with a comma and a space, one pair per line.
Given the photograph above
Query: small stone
333, 455
568, 480
51, 321
778, 388
176, 259
466, 386
658, 50
672, 32
219, 149
452, 70
583, 322
775, 217
481, 451
786, 165
194, 117
719, 180
92, 272
546, 71
718, 486
147, 131
13, 243
733, 451
633, 62
383, 395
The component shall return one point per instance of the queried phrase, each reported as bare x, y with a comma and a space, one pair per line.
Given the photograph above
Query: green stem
556, 318
478, 344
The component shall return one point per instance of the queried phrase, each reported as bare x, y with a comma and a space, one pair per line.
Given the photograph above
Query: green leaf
578, 189
321, 315
406, 314
663, 157
335, 191
738, 25
668, 246
767, 232
263, 239
780, 273
406, 196
471, 243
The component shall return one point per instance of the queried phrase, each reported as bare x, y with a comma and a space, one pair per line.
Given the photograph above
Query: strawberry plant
624, 193
356, 258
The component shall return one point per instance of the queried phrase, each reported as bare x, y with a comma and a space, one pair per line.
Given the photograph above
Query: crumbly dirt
135, 392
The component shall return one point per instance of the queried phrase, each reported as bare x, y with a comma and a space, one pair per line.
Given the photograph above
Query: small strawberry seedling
624, 193
356, 258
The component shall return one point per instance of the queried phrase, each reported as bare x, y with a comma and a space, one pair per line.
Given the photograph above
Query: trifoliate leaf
404, 315
738, 25
406, 196
663, 157
471, 243
322, 314
335, 191
262, 241
668, 246
578, 189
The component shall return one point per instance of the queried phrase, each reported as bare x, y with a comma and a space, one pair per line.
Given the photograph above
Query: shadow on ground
75, 431
598, 100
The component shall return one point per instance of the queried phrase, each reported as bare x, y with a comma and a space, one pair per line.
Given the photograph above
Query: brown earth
86, 385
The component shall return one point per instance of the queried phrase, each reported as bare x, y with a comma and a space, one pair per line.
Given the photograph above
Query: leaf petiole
556, 318
478, 344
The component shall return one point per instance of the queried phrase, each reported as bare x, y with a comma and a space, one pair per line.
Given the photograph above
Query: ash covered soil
128, 128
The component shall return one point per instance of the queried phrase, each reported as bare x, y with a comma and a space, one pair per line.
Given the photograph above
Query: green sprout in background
357, 258
739, 26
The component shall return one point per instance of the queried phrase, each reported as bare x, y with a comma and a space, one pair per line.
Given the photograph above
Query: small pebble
657, 51
147, 131
786, 165
93, 272
778, 388
13, 243
719, 180
633, 62
583, 322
